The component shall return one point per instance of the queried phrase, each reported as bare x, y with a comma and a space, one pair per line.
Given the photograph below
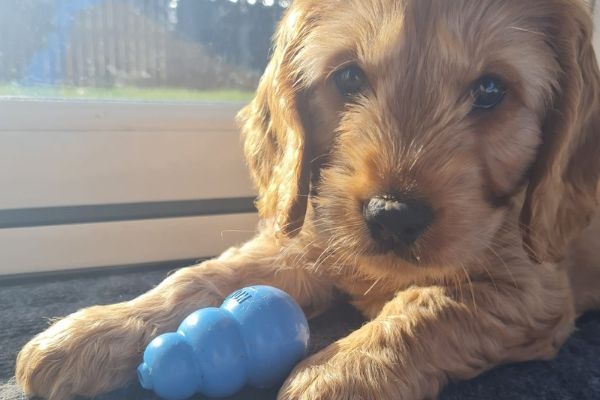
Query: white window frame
58, 158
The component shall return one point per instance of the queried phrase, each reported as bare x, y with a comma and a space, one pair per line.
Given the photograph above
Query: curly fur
509, 260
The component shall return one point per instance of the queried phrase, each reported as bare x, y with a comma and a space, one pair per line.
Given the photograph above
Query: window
140, 49
117, 137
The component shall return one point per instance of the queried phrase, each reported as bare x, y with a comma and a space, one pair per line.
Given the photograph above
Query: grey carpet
26, 306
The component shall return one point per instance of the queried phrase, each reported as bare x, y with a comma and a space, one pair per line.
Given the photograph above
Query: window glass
135, 49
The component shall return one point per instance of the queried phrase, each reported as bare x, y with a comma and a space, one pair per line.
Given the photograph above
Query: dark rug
27, 305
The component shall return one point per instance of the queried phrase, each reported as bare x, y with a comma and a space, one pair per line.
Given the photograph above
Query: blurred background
142, 49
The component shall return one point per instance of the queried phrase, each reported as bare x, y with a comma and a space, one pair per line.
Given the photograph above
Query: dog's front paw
86, 353
343, 373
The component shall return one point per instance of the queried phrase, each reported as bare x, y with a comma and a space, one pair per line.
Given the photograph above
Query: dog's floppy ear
562, 192
274, 138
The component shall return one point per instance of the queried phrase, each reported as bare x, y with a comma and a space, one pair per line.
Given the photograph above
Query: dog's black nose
396, 222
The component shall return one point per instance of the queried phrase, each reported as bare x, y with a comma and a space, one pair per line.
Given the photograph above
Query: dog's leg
426, 336
98, 348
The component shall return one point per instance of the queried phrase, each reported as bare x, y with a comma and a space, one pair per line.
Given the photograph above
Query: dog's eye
350, 80
487, 93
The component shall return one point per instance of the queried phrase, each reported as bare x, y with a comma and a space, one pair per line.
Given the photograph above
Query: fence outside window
191, 44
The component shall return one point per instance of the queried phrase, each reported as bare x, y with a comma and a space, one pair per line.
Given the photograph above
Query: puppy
435, 161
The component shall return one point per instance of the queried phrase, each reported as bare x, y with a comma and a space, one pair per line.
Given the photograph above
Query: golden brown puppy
432, 159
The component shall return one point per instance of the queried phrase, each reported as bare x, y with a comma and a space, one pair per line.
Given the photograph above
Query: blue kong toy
256, 337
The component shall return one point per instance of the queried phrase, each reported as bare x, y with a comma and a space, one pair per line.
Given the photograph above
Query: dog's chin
394, 253
390, 256
418, 257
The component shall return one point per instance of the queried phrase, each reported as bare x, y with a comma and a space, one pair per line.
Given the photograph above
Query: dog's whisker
371, 287
517, 28
491, 249
470, 285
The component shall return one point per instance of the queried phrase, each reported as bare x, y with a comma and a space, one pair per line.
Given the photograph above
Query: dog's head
410, 125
